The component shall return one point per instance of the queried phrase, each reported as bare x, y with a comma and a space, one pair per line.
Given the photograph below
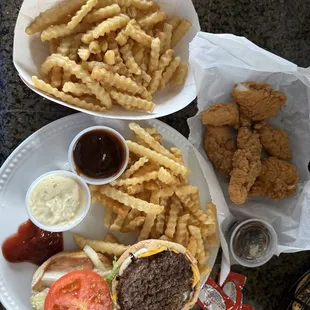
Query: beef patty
160, 281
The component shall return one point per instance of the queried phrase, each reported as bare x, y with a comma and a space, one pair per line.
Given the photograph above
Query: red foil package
229, 297
233, 286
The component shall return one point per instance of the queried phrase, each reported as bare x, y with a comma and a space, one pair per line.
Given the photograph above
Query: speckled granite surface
281, 26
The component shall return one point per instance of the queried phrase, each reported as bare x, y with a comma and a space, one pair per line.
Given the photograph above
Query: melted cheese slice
196, 277
153, 252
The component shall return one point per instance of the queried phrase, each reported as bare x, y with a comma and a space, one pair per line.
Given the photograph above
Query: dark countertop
280, 26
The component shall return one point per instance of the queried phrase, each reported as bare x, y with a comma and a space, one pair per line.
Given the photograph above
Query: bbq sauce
32, 244
99, 154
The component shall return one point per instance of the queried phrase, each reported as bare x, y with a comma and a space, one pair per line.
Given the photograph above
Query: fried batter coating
246, 165
277, 180
274, 140
244, 173
221, 114
249, 140
244, 120
220, 148
258, 101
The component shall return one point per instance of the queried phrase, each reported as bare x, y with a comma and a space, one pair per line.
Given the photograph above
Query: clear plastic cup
251, 237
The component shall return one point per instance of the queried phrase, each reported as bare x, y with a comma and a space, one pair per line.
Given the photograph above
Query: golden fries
172, 221
76, 89
132, 103
201, 255
135, 167
115, 80
64, 45
100, 246
79, 15
181, 232
65, 97
139, 35
170, 70
118, 223
166, 177
147, 226
110, 238
150, 20
94, 47
160, 224
192, 246
180, 31
55, 76
80, 73
108, 217
157, 157
167, 29
129, 40
137, 180
135, 223
114, 205
180, 75
109, 57
105, 27
150, 141
130, 201
164, 237
102, 13
53, 16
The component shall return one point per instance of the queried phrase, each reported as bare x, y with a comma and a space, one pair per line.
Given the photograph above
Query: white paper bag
219, 62
29, 53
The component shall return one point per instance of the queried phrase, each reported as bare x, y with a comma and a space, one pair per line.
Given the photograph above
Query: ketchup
31, 244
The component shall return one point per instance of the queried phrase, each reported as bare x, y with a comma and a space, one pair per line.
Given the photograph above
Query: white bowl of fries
109, 58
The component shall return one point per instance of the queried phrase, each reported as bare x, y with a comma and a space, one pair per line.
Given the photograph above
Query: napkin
219, 61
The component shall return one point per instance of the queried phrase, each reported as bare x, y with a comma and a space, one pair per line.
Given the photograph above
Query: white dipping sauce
56, 200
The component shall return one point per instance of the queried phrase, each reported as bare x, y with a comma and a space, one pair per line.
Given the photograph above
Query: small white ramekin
78, 219
97, 181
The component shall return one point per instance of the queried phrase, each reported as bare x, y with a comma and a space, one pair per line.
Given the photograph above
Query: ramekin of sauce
98, 154
58, 201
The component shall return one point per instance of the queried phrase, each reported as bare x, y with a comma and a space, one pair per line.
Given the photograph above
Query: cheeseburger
156, 274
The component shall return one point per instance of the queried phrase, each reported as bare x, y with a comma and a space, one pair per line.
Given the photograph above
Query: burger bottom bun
68, 261
153, 244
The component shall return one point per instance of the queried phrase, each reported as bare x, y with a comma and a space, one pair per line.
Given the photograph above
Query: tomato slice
79, 290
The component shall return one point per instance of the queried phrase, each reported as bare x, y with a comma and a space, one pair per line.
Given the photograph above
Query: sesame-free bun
63, 262
153, 244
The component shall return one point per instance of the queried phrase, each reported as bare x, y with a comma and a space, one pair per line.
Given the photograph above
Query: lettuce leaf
112, 274
37, 300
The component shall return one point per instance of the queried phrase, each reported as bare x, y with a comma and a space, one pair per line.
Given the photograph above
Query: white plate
44, 151
29, 53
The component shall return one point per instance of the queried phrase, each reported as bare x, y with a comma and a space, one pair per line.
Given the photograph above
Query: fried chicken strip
258, 101
221, 114
277, 180
274, 140
244, 120
244, 173
246, 165
220, 148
